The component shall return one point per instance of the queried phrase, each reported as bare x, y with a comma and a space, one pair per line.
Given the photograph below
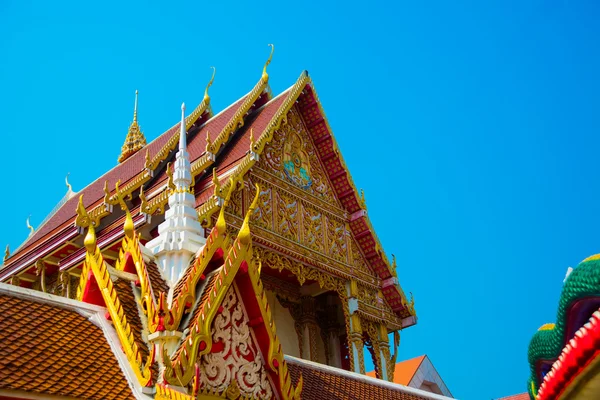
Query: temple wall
285, 327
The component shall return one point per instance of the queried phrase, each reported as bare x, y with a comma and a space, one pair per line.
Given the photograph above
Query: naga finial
252, 142
244, 234
221, 225
90, 239
216, 183
128, 227
265, 76
106, 193
69, 187
363, 203
6, 254
208, 142
206, 96
143, 200
31, 229
147, 161
170, 183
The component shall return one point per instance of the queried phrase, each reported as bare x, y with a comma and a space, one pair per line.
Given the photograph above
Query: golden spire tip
135, 107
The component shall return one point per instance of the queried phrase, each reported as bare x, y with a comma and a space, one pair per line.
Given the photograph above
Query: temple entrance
309, 319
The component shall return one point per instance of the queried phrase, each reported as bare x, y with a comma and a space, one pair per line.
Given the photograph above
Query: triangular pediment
292, 156
235, 362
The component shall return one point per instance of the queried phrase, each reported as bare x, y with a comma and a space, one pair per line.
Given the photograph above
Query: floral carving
235, 358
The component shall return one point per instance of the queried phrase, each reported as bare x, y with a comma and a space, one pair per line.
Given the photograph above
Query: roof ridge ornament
128, 226
244, 234
6, 254
31, 228
69, 187
206, 96
265, 76
135, 139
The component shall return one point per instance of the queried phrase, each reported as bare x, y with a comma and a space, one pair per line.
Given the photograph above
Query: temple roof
51, 350
325, 382
227, 149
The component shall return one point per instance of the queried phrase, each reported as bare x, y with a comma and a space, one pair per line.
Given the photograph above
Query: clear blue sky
472, 126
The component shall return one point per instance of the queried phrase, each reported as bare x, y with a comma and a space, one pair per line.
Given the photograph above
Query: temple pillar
384, 353
330, 332
355, 337
308, 328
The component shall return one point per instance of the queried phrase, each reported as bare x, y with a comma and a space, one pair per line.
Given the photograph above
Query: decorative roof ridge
85, 309
235, 122
99, 269
364, 378
208, 208
98, 211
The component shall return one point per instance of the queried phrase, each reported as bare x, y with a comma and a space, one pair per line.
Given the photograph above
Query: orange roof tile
322, 382
522, 396
405, 370
54, 351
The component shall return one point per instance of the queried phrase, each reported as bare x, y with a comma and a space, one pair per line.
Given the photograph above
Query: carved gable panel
292, 156
235, 363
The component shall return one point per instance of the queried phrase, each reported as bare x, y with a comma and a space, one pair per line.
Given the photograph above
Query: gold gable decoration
292, 157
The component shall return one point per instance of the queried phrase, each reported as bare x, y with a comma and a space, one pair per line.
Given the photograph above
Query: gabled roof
325, 382
521, 396
50, 347
404, 370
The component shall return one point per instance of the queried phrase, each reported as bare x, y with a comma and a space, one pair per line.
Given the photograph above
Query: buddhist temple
231, 257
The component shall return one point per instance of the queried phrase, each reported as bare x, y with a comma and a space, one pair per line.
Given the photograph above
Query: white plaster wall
285, 326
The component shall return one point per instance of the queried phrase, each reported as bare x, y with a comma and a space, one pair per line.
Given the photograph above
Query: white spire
182, 174
180, 236
183, 133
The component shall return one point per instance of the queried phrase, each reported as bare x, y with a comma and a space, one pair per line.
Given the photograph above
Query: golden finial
135, 107
216, 183
143, 201
90, 239
206, 96
244, 234
69, 187
208, 142
265, 76
393, 262
363, 203
252, 139
170, 183
147, 159
106, 193
6, 254
29, 226
221, 225
128, 227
